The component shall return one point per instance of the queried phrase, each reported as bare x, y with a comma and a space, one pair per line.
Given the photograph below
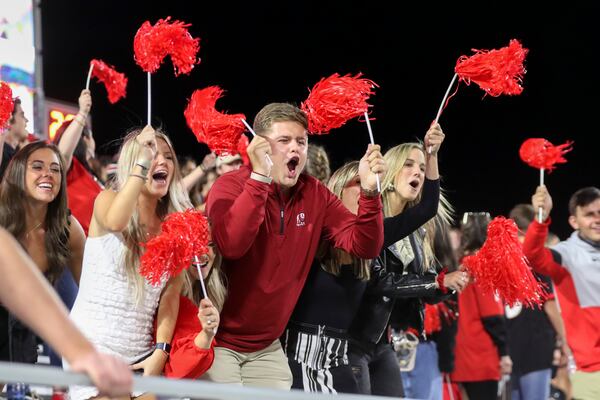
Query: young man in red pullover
267, 221
574, 266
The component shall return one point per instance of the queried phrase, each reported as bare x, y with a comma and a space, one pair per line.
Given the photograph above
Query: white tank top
106, 310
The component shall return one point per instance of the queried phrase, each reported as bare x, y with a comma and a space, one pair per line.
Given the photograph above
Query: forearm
395, 285
124, 203
431, 167
168, 310
237, 217
551, 310
540, 257
363, 234
496, 329
202, 340
70, 138
192, 178
403, 224
25, 292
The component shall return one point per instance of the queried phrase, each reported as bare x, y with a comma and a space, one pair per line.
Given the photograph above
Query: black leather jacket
395, 293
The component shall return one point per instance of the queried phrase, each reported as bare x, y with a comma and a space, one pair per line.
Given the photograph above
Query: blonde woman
405, 272
115, 307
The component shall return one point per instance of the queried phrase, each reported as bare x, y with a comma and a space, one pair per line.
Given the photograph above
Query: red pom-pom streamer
500, 266
115, 82
183, 236
434, 313
6, 104
220, 131
243, 149
335, 100
433, 322
153, 43
541, 154
497, 72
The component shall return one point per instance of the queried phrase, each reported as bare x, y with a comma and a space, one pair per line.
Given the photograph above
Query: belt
318, 330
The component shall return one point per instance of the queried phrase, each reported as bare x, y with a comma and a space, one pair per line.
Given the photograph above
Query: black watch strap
166, 347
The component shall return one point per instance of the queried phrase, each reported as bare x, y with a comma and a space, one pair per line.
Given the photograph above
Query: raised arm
112, 210
541, 258
362, 234
236, 209
25, 292
72, 134
403, 224
193, 177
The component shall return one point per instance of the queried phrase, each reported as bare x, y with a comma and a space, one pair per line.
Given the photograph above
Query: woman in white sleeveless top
115, 306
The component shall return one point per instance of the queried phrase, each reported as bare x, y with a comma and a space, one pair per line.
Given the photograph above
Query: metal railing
171, 388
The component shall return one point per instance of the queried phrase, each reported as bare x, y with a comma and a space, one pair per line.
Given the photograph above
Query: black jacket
395, 293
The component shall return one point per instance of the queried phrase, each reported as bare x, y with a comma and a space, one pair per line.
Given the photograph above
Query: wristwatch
166, 347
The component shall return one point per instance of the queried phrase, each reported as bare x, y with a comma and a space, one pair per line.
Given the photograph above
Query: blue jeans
532, 386
425, 380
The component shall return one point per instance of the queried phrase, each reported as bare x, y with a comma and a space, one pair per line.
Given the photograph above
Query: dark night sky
262, 52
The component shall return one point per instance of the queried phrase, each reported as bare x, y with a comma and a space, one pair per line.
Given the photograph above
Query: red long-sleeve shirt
268, 246
186, 360
577, 289
82, 190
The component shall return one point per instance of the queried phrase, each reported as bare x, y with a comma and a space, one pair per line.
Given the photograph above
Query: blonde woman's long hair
176, 200
331, 259
215, 283
395, 158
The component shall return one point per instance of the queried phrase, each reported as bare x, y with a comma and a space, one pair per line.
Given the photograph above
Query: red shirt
82, 189
268, 246
476, 355
582, 323
186, 360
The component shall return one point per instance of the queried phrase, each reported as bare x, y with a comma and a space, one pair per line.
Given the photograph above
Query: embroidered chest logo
300, 219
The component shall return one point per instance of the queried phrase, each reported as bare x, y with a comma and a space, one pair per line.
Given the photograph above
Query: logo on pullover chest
300, 219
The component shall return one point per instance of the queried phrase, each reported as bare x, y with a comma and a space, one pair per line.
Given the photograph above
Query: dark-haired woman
33, 208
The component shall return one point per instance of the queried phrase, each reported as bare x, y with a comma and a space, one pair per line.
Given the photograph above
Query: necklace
32, 229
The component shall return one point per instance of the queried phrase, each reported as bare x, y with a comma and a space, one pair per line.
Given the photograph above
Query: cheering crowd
343, 282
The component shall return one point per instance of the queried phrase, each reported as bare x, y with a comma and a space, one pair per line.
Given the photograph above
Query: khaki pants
586, 385
267, 368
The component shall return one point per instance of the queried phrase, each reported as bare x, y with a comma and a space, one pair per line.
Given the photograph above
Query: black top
17, 342
8, 152
328, 299
531, 337
409, 220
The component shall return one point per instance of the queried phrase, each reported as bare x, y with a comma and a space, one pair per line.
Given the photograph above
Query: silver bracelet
261, 178
145, 165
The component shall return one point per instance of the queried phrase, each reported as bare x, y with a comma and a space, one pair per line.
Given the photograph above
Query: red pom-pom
335, 100
500, 266
497, 72
153, 43
434, 314
6, 104
115, 82
433, 322
243, 149
183, 236
540, 153
220, 131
